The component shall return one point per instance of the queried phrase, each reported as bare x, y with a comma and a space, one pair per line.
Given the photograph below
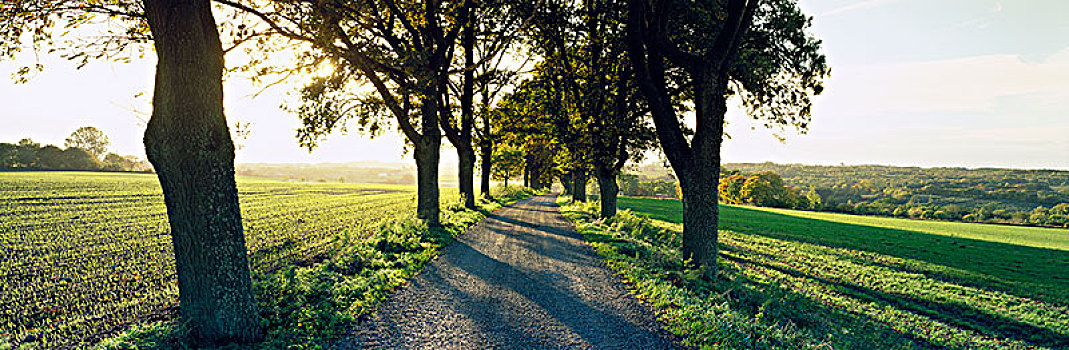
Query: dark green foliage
507, 162
956, 194
26, 153
633, 185
527, 124
7, 155
50, 157
597, 113
760, 50
90, 139
77, 158
30, 155
765, 189
73, 158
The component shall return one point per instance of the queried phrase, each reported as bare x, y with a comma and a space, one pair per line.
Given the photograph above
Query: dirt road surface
521, 279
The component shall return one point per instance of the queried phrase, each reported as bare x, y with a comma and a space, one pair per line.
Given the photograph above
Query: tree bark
487, 154
188, 142
427, 193
566, 183
536, 177
700, 220
697, 163
465, 151
427, 152
607, 191
701, 207
467, 174
579, 180
527, 172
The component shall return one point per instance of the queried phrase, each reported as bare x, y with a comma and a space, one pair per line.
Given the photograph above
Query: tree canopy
89, 139
758, 50
605, 69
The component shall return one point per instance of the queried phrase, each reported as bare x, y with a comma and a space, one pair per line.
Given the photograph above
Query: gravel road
521, 279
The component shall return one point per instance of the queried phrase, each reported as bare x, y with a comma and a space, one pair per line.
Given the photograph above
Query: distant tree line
1006, 196
635, 185
369, 172
86, 149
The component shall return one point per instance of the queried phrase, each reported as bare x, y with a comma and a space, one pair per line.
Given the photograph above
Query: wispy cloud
854, 6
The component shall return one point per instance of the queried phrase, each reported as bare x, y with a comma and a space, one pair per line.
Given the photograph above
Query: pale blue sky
915, 82
933, 83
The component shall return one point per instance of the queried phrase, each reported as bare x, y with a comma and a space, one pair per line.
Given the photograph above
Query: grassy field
85, 253
792, 279
1039, 237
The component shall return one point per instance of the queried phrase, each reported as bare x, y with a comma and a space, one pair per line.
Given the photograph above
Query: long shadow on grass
1020, 270
792, 318
813, 318
953, 313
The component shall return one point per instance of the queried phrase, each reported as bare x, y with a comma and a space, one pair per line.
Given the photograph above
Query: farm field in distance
938, 284
82, 253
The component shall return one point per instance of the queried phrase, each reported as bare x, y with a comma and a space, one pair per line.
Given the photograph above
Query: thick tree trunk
487, 151
607, 191
467, 174
579, 180
427, 193
527, 174
566, 183
536, 177
465, 151
697, 164
188, 142
427, 152
700, 217
701, 208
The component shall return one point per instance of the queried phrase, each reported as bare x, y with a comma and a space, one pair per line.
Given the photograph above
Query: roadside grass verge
308, 307
1025, 261
814, 286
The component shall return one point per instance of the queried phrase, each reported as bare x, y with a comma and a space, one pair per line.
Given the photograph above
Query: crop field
891, 283
85, 253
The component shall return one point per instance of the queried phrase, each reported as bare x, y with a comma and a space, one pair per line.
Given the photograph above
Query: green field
86, 253
903, 283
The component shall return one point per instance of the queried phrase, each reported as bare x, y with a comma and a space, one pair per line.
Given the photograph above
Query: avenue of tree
555, 90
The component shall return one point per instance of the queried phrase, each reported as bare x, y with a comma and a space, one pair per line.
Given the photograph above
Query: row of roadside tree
574, 89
